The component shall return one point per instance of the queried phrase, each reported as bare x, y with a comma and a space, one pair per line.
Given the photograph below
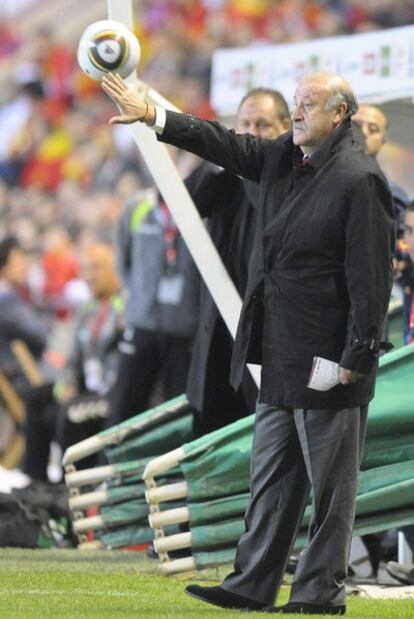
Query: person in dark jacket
229, 204
404, 269
162, 284
319, 285
18, 319
374, 124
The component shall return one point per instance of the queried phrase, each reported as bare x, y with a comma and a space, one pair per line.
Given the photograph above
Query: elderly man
319, 285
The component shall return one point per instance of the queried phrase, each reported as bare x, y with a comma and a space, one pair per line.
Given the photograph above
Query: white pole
172, 542
170, 492
405, 556
89, 477
121, 10
186, 564
159, 520
179, 202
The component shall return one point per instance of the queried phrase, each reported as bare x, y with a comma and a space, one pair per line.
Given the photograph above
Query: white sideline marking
60, 592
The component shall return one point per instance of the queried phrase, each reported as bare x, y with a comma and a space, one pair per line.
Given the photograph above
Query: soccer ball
105, 46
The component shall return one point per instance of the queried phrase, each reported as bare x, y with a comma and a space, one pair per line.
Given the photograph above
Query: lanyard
99, 319
170, 236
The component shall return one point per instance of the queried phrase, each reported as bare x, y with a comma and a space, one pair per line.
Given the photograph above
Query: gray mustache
300, 126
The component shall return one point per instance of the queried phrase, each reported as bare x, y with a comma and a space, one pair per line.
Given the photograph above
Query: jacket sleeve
21, 322
210, 188
239, 153
369, 234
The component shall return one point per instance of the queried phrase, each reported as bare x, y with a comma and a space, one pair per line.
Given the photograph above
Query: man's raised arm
241, 154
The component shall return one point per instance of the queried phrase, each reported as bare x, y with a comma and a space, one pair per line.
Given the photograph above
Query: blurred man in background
373, 124
162, 286
18, 320
229, 204
88, 375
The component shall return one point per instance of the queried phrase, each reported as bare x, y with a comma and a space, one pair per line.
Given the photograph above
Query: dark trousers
295, 450
41, 414
146, 357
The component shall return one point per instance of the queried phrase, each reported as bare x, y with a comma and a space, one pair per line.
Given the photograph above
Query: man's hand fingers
118, 80
117, 120
114, 78
122, 120
344, 380
111, 90
117, 83
113, 86
133, 109
345, 376
348, 377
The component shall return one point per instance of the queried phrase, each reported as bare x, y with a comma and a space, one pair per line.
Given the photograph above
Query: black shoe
402, 573
220, 597
301, 608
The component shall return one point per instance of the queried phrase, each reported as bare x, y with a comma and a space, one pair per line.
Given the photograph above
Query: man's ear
340, 113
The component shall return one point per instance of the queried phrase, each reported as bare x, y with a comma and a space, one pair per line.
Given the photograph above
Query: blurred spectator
9, 38
16, 118
53, 130
373, 124
162, 284
18, 320
404, 271
92, 365
56, 64
60, 164
78, 403
60, 265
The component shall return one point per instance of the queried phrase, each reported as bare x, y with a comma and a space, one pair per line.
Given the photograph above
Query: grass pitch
71, 584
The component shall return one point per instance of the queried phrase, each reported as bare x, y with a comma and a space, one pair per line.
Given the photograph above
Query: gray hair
338, 94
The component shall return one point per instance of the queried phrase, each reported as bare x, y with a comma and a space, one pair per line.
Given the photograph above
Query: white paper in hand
324, 374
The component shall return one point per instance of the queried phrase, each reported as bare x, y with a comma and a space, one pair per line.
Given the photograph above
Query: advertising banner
378, 65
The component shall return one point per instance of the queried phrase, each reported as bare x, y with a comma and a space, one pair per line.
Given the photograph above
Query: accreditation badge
170, 289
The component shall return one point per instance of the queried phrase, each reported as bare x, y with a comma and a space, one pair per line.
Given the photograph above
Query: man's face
98, 270
258, 115
98, 274
409, 233
15, 271
373, 124
312, 121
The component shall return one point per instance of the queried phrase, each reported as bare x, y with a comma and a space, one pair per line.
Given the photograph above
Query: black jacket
19, 321
321, 272
227, 203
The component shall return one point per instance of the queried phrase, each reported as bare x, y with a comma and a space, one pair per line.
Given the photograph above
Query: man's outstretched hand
132, 107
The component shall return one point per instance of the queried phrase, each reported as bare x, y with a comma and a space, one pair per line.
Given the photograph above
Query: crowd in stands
65, 175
